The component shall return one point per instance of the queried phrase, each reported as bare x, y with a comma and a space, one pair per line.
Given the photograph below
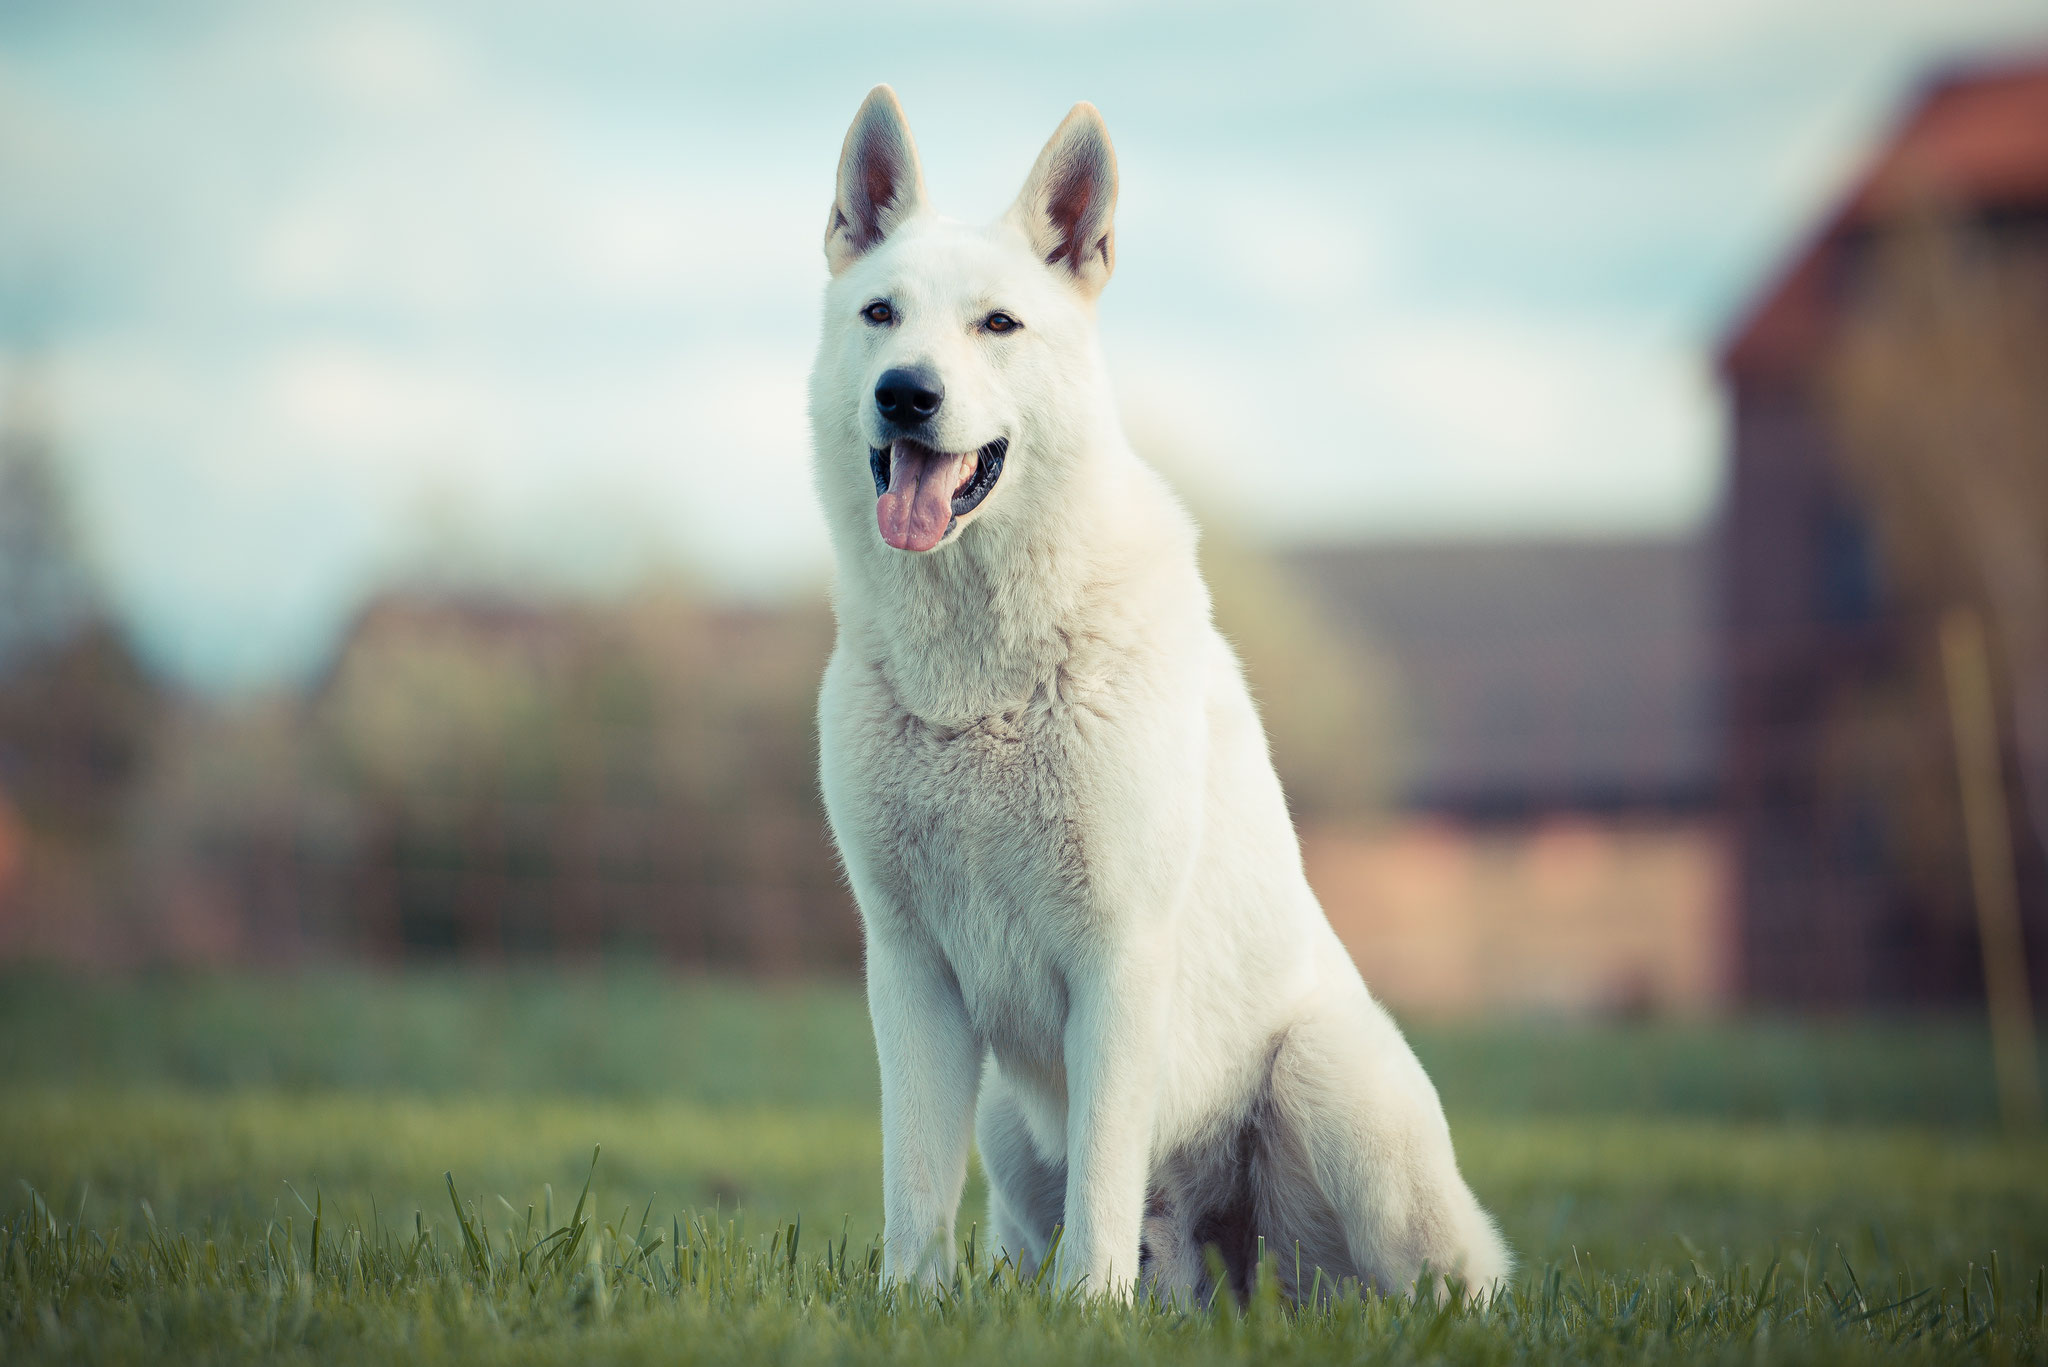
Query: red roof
1978, 137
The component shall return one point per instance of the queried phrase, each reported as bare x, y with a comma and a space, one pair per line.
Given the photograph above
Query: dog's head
952, 355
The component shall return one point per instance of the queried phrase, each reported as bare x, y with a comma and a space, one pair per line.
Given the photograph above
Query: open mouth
921, 493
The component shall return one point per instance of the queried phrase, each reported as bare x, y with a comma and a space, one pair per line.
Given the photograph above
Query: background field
1659, 1157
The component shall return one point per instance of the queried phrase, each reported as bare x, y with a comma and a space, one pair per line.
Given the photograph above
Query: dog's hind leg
1026, 1193
1171, 1264
1357, 1119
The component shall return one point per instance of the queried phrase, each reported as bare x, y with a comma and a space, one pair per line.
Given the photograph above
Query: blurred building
1555, 844
1841, 781
1539, 676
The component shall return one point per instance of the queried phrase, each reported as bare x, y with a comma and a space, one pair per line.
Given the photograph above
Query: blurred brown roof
1976, 138
1538, 675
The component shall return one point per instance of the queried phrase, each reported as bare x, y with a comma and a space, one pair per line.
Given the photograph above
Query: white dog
1090, 944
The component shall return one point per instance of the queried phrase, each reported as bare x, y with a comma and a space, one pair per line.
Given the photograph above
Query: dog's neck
982, 626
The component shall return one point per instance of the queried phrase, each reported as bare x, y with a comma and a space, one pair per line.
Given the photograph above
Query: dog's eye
1000, 322
879, 313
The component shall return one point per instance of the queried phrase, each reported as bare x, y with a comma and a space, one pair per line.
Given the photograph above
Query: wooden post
1966, 664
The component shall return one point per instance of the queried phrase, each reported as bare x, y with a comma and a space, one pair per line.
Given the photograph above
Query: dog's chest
980, 832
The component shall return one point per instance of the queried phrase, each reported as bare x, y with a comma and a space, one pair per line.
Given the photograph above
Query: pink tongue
918, 507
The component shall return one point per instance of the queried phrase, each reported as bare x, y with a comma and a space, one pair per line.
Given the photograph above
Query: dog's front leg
931, 1067
1115, 1049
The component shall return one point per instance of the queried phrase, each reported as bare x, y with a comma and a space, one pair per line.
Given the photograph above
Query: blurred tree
47, 591
1941, 381
1940, 385
77, 710
628, 775
1329, 704
75, 705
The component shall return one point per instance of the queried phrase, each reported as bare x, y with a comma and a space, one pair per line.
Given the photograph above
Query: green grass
1696, 1193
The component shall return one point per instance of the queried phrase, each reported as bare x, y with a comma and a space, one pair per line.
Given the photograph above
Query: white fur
1090, 943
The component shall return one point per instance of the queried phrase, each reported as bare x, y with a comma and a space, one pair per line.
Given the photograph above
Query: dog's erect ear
880, 183
1067, 204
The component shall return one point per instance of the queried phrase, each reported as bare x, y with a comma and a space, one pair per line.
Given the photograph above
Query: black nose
908, 395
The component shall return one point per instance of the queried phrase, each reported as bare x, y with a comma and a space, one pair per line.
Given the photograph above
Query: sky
319, 296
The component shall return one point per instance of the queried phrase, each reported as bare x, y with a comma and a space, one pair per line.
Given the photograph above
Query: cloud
1435, 425
1617, 45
